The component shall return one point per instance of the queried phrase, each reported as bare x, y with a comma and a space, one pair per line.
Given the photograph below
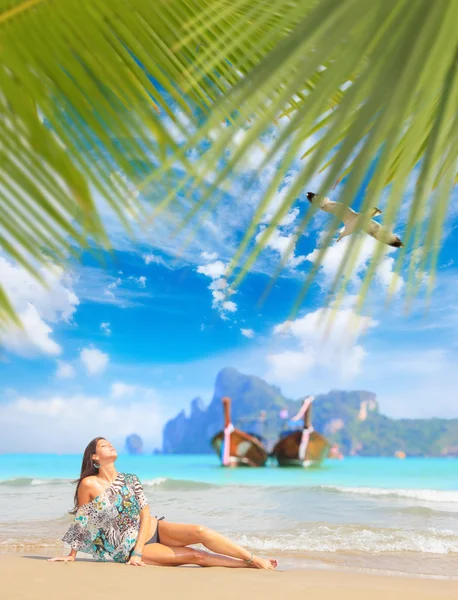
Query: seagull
355, 220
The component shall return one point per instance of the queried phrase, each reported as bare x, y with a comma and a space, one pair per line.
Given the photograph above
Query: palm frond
88, 88
396, 114
85, 86
82, 85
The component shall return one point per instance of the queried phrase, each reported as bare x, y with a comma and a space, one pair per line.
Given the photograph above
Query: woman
112, 518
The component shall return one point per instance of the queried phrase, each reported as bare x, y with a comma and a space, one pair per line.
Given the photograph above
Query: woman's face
105, 452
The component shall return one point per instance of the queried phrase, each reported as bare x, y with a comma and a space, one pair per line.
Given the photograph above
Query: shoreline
288, 564
26, 576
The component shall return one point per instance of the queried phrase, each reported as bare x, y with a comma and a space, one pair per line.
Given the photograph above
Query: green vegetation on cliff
349, 418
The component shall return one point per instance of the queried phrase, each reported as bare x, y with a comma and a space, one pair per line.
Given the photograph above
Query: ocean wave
29, 543
425, 495
28, 481
441, 500
316, 539
177, 484
154, 482
162, 482
348, 538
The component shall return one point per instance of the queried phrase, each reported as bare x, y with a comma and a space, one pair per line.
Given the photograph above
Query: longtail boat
235, 447
301, 447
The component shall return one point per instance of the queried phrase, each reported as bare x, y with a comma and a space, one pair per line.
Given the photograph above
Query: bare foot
268, 564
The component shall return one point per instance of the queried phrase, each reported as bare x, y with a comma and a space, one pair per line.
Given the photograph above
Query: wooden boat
301, 447
235, 447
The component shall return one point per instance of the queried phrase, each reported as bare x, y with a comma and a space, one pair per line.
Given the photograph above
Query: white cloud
254, 158
295, 261
289, 218
37, 306
122, 390
229, 306
277, 241
218, 284
149, 258
109, 290
326, 338
96, 285
34, 337
290, 365
155, 259
219, 288
282, 243
332, 260
67, 423
212, 256
220, 233
249, 333
387, 276
105, 327
140, 281
218, 297
215, 270
94, 360
64, 370
276, 203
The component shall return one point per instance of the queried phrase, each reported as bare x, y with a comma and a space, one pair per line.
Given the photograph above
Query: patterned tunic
109, 524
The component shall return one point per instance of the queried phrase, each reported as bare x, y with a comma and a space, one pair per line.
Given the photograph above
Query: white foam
324, 538
156, 481
42, 481
426, 495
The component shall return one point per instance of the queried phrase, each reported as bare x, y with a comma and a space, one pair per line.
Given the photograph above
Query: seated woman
112, 518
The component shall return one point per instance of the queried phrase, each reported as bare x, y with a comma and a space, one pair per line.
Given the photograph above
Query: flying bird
354, 221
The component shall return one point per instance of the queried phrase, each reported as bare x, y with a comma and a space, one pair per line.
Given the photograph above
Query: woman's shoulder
87, 489
88, 481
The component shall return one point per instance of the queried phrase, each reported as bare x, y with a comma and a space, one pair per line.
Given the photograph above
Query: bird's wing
379, 232
376, 230
347, 214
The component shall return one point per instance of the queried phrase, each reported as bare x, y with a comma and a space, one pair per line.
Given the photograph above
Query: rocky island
350, 419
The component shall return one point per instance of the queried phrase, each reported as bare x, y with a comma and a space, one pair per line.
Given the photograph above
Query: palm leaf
86, 85
398, 114
82, 84
85, 88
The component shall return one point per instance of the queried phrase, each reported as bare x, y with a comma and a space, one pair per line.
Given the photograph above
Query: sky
121, 341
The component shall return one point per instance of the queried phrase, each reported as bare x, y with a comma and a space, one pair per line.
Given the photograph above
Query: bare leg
162, 555
178, 534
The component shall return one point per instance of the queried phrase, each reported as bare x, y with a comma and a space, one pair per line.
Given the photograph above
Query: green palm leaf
86, 84
397, 114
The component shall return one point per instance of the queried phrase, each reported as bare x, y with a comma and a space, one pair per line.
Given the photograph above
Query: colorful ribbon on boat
226, 450
304, 442
300, 415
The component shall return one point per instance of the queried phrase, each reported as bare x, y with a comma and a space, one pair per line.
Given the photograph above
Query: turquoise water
360, 513
387, 473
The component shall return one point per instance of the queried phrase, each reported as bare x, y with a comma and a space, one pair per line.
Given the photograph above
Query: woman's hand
68, 558
135, 561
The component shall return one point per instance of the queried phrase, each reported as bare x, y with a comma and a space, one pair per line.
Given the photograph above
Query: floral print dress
109, 524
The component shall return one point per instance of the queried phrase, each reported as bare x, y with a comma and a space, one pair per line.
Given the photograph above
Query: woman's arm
68, 558
145, 522
85, 494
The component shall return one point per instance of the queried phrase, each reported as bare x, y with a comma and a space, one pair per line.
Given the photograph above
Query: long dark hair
87, 468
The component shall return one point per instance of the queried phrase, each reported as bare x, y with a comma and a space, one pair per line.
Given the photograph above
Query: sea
381, 515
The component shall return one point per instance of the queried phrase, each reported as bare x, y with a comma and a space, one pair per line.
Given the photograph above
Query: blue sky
122, 341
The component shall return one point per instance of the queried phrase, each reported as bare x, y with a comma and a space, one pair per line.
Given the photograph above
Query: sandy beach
27, 577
